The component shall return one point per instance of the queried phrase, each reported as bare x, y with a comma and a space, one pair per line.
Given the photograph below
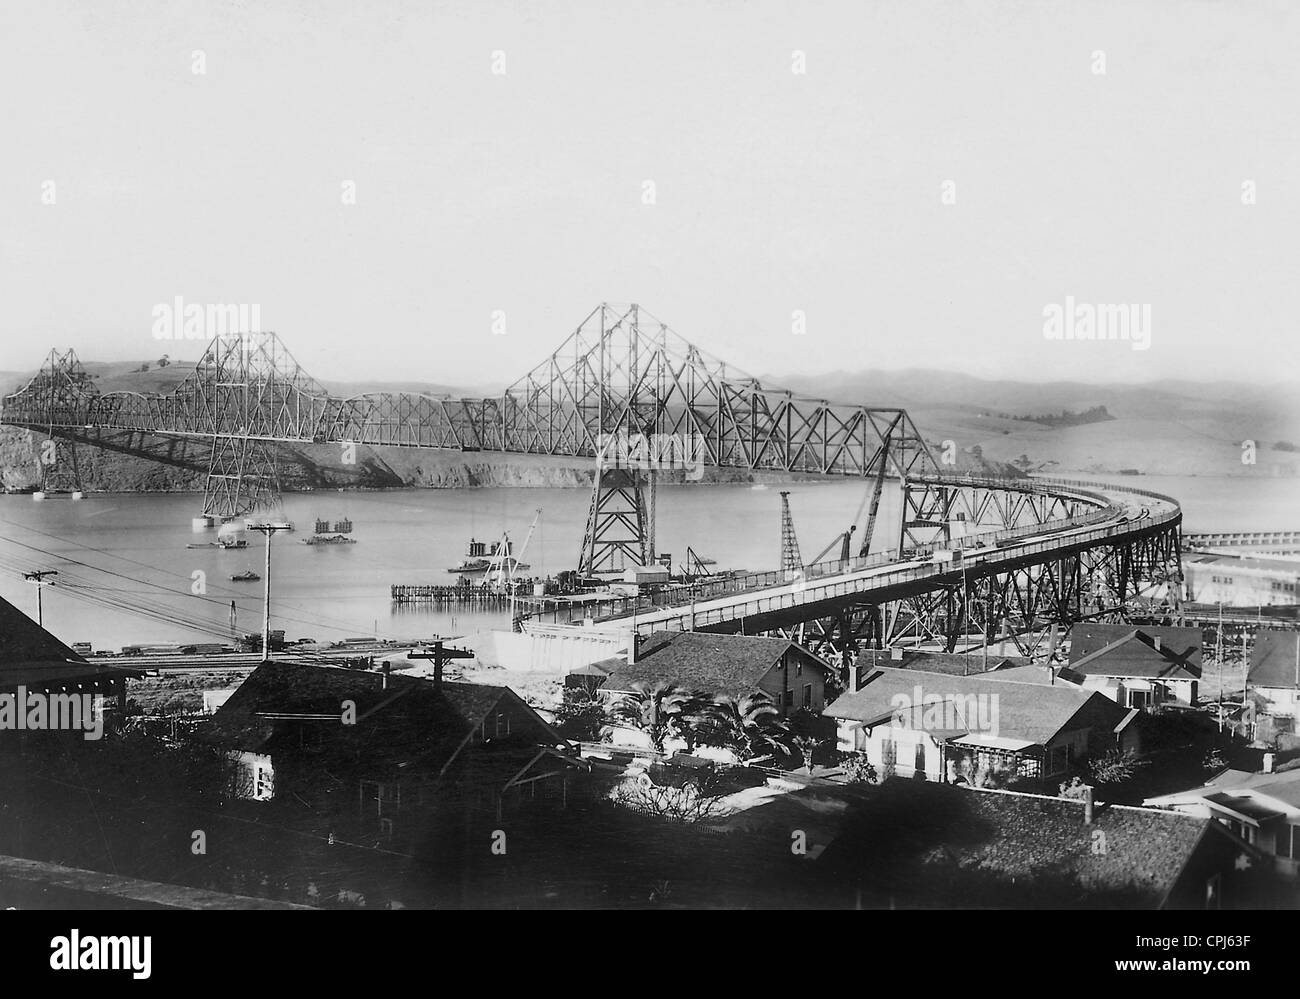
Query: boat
247, 576
232, 544
479, 558
329, 539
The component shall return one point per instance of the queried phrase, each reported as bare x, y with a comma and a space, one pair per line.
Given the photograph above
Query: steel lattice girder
1138, 579
621, 370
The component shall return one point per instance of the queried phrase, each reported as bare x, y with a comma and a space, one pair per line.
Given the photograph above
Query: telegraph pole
1219, 656
38, 578
269, 530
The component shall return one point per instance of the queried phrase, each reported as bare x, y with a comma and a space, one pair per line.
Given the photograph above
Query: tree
747, 725
1116, 766
579, 714
660, 711
806, 745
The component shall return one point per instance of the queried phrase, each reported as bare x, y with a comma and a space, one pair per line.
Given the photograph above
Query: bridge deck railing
684, 595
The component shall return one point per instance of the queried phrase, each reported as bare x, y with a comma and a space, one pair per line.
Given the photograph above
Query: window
798, 669
1212, 890
386, 828
1286, 841
1137, 699
788, 700
261, 781
807, 695
1058, 760
502, 724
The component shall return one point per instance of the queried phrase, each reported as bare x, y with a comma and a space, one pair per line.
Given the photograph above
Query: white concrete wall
552, 649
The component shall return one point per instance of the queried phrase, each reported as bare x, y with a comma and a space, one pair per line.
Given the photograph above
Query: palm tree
746, 725
660, 711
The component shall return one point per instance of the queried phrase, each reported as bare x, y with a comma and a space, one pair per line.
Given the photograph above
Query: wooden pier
452, 596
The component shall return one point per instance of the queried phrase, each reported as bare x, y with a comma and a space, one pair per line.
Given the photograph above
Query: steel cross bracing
1061, 552
618, 372
621, 372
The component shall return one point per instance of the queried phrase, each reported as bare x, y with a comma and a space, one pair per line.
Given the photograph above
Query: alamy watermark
179, 320
1083, 321
653, 451
951, 712
42, 711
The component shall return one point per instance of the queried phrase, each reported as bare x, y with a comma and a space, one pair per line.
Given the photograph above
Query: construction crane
791, 561
504, 562
870, 527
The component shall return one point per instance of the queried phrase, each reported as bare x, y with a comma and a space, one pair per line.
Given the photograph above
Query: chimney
437, 665
387, 667
631, 646
1087, 805
1268, 763
1156, 642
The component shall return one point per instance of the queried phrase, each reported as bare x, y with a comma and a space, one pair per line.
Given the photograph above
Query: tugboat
247, 576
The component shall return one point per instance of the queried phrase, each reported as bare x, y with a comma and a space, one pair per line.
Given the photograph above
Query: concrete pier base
203, 523
38, 496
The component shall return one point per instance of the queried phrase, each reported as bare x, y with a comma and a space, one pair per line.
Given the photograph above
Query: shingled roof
929, 843
1130, 650
1030, 711
1275, 659
435, 720
714, 664
31, 657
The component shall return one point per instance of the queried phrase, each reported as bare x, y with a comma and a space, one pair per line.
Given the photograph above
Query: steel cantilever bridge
1037, 551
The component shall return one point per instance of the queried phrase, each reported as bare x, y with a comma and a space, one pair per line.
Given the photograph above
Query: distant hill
1164, 427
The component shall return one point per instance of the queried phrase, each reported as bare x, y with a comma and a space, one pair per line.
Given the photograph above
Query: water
132, 547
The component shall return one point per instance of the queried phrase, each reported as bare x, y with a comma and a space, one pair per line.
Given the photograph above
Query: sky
802, 188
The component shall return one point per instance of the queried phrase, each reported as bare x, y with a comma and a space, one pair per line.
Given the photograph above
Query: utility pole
269, 530
38, 578
1218, 654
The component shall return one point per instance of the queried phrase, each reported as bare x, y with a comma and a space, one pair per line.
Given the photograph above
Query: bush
858, 769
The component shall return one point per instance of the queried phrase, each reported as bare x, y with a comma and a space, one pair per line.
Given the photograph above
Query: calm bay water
134, 546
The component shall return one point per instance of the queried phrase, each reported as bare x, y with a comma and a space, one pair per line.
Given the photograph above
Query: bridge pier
241, 479
620, 524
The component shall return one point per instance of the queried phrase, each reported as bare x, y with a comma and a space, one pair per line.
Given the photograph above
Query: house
379, 745
1274, 674
1140, 666
970, 728
920, 844
734, 665
960, 663
1263, 809
35, 667
1241, 579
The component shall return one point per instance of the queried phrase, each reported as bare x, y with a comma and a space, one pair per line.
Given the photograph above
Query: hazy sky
774, 191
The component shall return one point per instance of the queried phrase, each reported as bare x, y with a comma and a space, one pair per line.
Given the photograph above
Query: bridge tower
619, 529
246, 392
60, 472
